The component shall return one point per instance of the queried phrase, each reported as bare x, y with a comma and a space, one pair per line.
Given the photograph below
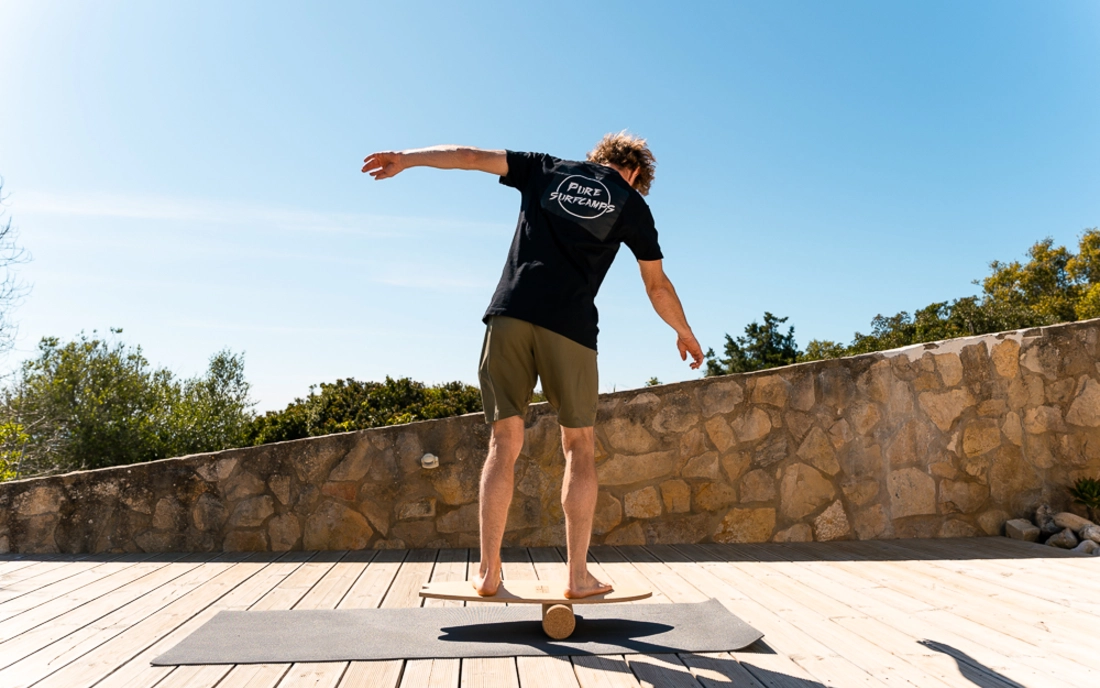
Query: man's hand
384, 165
687, 344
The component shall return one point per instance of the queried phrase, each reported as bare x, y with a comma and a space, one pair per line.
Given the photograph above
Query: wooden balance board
557, 611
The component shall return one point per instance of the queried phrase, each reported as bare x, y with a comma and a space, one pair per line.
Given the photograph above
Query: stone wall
936, 440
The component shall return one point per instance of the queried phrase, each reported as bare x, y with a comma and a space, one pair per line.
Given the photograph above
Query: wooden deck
916, 613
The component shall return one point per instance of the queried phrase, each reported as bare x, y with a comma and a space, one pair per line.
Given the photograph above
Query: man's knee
507, 437
579, 443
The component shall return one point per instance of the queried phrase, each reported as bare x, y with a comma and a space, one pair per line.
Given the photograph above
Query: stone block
746, 525
1090, 532
1064, 539
705, 467
245, 541
714, 496
334, 526
642, 503
280, 487
609, 513
1043, 419
41, 499
803, 394
1006, 358
1085, 409
631, 534
1074, 522
1022, 529
980, 436
208, 513
799, 532
870, 523
252, 512
676, 495
757, 486
345, 491
944, 408
720, 433
864, 417
950, 369
464, 519
772, 390
720, 397
420, 508
355, 466
955, 528
168, 514
677, 414
628, 435
861, 492
751, 426
832, 524
1087, 547
283, 532
242, 486
992, 521
912, 493
734, 464
624, 470
818, 450
803, 490
958, 496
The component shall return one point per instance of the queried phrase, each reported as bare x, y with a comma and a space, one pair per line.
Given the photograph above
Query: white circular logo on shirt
583, 197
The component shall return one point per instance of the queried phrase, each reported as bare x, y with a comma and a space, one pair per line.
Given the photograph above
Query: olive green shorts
516, 352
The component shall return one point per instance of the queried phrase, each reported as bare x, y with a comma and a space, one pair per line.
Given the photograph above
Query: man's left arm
667, 304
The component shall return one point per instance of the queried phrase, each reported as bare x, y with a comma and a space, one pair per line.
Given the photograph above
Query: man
541, 322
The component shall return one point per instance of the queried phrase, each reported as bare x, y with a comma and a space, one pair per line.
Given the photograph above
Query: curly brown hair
627, 151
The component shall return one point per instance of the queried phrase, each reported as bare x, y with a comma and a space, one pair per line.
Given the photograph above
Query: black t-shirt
572, 219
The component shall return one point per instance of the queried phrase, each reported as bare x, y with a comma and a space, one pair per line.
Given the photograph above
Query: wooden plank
313, 675
431, 673
297, 585
489, 672
546, 672
766, 611
82, 580
255, 676
525, 592
44, 612
994, 651
52, 573
719, 670
367, 593
375, 582
137, 671
450, 567
382, 674
661, 671
414, 573
603, 671
114, 648
10, 563
337, 581
622, 572
45, 643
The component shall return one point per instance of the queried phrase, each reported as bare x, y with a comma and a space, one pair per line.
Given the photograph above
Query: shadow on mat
621, 632
973, 670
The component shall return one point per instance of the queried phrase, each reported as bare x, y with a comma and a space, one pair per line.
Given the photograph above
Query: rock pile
1065, 530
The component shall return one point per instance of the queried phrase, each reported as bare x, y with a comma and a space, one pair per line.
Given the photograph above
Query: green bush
353, 405
94, 402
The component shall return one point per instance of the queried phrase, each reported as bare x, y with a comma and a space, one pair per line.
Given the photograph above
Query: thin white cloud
205, 211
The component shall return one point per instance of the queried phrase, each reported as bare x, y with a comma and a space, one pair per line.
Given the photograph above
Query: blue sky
189, 172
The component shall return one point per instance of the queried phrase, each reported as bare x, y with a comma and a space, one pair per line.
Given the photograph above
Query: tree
763, 346
353, 405
91, 402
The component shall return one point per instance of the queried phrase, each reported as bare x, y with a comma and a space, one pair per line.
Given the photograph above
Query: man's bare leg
579, 490
497, 478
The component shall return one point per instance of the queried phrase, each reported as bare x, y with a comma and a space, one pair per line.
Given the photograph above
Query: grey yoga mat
480, 630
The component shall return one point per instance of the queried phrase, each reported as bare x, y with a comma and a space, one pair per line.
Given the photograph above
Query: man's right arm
386, 164
667, 304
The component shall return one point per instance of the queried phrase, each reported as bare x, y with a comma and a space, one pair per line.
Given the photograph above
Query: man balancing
541, 322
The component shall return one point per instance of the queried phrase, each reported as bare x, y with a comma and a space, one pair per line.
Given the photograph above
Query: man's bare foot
585, 587
487, 583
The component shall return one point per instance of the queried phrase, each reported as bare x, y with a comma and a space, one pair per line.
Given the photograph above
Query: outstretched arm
663, 297
386, 164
